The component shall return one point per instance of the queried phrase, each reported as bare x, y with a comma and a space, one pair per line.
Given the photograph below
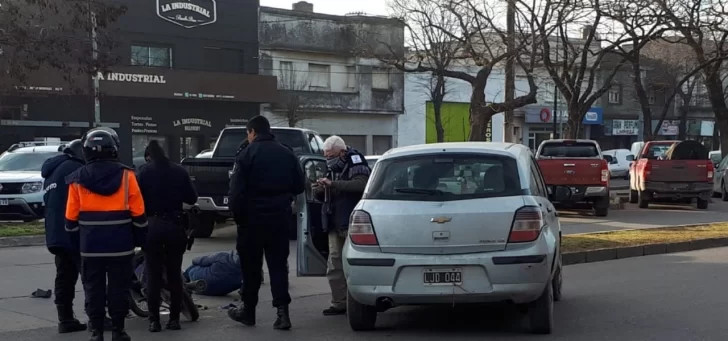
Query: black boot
243, 314
154, 325
283, 322
67, 322
97, 335
117, 332
173, 325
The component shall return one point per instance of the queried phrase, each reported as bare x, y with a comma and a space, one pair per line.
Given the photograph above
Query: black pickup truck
211, 176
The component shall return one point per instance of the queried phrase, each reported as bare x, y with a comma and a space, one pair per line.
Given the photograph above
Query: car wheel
205, 227
723, 193
361, 317
541, 312
633, 197
702, 204
557, 282
601, 207
643, 199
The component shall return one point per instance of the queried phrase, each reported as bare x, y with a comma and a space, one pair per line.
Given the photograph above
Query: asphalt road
678, 297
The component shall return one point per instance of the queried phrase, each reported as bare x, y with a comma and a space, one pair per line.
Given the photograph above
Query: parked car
719, 184
21, 185
716, 157
578, 165
432, 228
673, 170
211, 175
619, 163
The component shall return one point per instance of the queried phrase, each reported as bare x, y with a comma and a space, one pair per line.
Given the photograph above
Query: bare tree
37, 34
469, 35
297, 101
434, 86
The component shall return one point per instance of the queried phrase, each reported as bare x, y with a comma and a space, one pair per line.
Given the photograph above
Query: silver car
454, 223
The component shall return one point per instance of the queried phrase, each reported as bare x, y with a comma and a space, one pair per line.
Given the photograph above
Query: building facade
185, 73
325, 84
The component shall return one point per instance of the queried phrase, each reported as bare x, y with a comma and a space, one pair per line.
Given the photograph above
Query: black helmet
74, 149
113, 133
100, 144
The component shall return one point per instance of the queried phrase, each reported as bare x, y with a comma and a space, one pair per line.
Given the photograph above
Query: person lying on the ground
220, 272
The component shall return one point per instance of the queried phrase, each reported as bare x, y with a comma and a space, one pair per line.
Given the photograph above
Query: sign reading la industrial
188, 13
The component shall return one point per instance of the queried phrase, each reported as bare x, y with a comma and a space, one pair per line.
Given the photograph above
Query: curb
601, 255
22, 241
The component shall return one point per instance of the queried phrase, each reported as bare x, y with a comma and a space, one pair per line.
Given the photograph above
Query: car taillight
361, 230
647, 170
605, 173
711, 170
527, 225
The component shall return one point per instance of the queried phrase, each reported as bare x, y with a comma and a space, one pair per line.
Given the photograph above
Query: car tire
205, 227
558, 281
633, 197
702, 204
643, 200
541, 312
361, 317
723, 193
601, 207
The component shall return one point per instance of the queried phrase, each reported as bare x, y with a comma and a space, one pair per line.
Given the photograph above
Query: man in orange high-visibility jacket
105, 206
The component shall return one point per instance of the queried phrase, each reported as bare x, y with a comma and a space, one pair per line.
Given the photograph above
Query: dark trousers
68, 268
269, 237
166, 244
119, 271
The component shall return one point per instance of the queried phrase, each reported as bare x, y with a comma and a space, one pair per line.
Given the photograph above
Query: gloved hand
190, 242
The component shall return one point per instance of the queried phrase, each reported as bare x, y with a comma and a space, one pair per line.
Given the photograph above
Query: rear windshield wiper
425, 191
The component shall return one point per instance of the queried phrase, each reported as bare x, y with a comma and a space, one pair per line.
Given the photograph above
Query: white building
324, 85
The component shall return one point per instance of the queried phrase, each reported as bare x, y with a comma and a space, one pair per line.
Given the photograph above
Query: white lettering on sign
185, 6
192, 121
188, 13
131, 78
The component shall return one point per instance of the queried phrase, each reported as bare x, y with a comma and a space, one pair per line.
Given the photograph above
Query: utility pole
510, 77
555, 115
94, 76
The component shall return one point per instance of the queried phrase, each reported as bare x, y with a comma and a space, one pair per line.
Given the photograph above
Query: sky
340, 7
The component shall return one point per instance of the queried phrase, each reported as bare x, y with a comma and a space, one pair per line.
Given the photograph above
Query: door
313, 243
189, 146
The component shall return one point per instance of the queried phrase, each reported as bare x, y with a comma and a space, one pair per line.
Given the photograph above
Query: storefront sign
192, 124
668, 128
237, 122
593, 116
625, 127
143, 125
489, 131
132, 78
541, 114
188, 13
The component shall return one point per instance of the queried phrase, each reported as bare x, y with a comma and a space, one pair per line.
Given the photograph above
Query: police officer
265, 179
165, 187
105, 207
68, 260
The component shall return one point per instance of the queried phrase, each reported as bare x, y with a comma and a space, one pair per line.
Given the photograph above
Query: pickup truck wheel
702, 204
601, 207
205, 228
643, 199
633, 197
723, 193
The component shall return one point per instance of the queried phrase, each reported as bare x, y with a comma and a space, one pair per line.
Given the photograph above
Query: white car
619, 167
454, 223
21, 185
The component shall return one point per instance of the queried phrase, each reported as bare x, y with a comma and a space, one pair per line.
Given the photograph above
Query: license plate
225, 200
679, 186
4, 202
442, 276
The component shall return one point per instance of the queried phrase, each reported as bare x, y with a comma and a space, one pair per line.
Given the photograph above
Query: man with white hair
340, 191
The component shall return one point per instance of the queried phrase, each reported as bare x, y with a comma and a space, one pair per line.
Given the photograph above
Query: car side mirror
630, 157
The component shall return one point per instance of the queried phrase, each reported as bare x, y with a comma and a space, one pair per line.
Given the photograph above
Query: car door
540, 192
719, 175
313, 243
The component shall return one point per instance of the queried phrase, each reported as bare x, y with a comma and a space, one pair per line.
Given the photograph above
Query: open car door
313, 243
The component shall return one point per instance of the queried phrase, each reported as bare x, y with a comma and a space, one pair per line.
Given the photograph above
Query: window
651, 97
285, 76
380, 78
320, 76
537, 185
382, 143
567, 149
445, 177
615, 95
315, 147
24, 161
351, 77
153, 56
223, 60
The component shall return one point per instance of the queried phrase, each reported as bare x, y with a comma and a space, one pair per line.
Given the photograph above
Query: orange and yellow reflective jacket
106, 208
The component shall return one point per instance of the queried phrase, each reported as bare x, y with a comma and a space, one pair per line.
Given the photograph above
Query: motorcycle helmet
74, 149
100, 144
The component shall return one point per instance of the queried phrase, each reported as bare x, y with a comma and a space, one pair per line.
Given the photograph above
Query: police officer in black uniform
265, 179
58, 241
165, 187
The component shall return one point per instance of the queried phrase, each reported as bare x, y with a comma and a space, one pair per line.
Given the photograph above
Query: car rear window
445, 177
657, 151
231, 140
575, 149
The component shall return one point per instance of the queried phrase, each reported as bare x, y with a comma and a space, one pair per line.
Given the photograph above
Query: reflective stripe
75, 229
104, 223
126, 190
144, 224
110, 254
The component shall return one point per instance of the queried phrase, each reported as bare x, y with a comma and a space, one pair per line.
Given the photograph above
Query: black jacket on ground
265, 179
54, 172
165, 187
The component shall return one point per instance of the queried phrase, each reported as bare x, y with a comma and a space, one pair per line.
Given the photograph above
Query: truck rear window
231, 139
657, 151
575, 149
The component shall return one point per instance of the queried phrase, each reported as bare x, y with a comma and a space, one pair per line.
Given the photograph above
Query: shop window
139, 144
188, 147
320, 77
152, 56
380, 78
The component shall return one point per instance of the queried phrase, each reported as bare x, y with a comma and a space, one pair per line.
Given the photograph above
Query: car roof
272, 128
512, 149
37, 149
